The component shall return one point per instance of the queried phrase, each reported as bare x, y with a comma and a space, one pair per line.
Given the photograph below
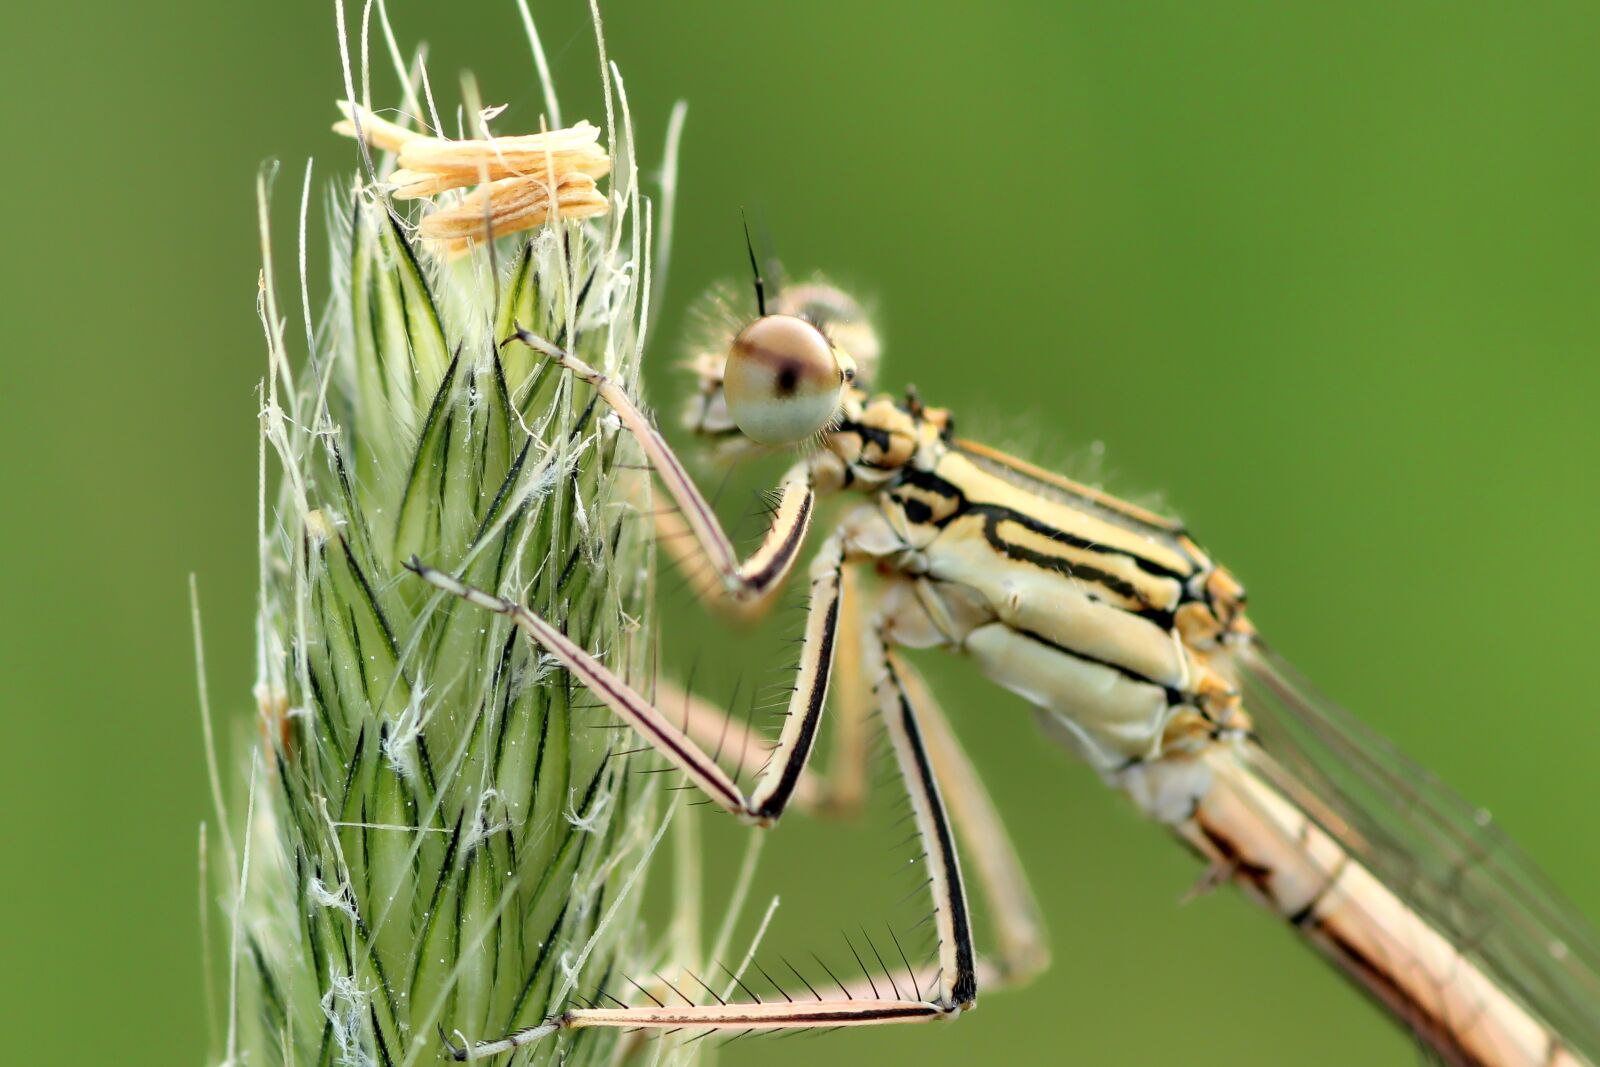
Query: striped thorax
1103, 615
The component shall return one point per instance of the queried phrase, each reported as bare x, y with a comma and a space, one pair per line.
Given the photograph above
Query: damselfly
1135, 649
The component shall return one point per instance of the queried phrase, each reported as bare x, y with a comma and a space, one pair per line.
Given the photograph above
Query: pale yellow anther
377, 132
521, 182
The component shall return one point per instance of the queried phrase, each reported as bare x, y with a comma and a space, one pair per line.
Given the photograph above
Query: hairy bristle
435, 842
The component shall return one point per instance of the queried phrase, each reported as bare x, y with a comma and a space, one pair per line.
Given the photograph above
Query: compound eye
784, 382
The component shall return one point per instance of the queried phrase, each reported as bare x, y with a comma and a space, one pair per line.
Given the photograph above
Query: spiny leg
725, 736
1018, 924
758, 577
1019, 927
955, 985
957, 978
842, 790
772, 793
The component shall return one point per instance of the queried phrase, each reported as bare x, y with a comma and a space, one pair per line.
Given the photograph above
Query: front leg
777, 785
751, 582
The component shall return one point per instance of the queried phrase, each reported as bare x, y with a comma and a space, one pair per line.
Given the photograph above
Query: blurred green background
1327, 279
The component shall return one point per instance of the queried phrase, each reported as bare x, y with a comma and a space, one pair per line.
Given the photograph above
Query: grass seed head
440, 840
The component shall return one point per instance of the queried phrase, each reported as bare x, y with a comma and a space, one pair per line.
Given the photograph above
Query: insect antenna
755, 267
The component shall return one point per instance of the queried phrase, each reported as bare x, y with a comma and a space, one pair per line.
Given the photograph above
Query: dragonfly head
783, 378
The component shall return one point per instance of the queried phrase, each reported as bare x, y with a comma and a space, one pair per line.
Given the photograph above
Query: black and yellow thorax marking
1092, 592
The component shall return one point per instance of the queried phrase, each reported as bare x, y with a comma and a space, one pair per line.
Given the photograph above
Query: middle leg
865, 660
841, 790
951, 990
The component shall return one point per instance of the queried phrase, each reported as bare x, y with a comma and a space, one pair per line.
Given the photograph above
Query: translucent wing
1442, 856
